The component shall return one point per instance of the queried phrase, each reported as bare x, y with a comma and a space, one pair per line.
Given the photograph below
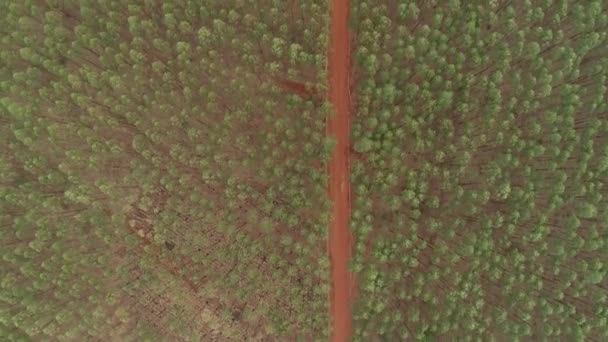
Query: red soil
339, 193
295, 87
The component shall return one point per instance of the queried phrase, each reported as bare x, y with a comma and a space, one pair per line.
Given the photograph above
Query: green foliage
364, 145
479, 199
152, 167
586, 210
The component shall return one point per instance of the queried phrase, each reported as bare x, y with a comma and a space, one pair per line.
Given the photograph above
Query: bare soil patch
338, 127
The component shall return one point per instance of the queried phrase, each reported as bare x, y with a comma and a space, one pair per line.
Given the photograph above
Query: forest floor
338, 126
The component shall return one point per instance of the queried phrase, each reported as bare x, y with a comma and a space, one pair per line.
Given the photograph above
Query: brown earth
296, 87
338, 126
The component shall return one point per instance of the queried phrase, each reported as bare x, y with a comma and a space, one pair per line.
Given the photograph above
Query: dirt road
338, 127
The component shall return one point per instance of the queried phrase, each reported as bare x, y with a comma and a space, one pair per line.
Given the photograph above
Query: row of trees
480, 208
162, 170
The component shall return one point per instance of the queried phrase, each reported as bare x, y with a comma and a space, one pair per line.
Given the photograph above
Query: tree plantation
163, 170
182, 170
479, 170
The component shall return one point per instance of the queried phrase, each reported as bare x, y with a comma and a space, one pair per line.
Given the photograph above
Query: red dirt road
338, 126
